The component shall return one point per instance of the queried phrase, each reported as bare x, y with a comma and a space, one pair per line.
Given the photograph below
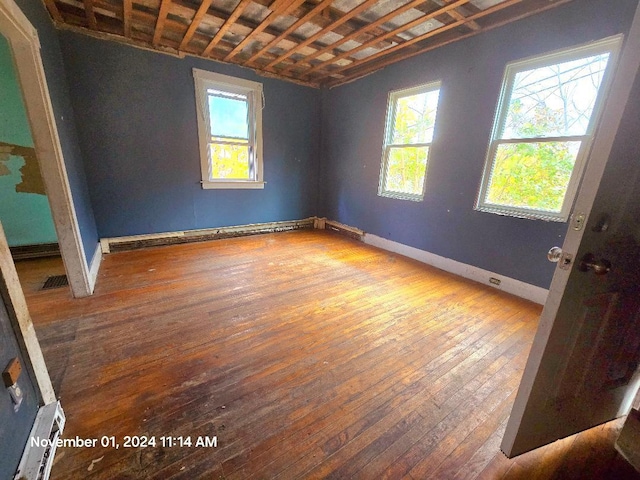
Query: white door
582, 369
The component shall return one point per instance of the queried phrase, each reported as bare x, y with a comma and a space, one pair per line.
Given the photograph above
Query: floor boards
306, 354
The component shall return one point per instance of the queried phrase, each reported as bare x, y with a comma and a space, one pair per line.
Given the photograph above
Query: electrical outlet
494, 280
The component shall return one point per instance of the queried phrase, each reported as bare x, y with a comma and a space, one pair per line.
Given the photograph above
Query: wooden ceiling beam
187, 26
279, 7
127, 7
301, 21
444, 28
240, 7
90, 14
458, 16
500, 19
162, 17
53, 10
113, 32
195, 23
406, 26
325, 17
389, 16
350, 14
216, 18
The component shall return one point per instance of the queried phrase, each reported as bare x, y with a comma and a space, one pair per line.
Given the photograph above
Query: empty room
348, 239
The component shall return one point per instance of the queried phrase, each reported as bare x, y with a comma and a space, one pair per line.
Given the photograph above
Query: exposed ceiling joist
195, 23
162, 17
314, 42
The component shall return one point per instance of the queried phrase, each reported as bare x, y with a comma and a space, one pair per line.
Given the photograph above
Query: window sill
401, 196
238, 185
522, 213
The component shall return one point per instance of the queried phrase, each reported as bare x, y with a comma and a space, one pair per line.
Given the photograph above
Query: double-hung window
411, 118
230, 130
542, 133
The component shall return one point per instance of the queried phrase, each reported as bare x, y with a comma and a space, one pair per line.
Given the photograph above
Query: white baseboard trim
94, 268
507, 284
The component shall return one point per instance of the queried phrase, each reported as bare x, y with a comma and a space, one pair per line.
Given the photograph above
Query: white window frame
392, 102
205, 80
609, 44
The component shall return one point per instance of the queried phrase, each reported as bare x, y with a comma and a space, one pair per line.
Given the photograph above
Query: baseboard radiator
119, 244
341, 228
23, 252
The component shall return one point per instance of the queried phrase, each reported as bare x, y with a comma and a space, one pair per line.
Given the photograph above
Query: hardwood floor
306, 354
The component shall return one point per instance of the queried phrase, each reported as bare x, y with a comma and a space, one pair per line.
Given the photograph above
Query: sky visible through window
556, 100
228, 115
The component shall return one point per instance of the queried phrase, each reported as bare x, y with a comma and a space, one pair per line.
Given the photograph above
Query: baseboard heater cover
119, 244
22, 252
341, 228
37, 458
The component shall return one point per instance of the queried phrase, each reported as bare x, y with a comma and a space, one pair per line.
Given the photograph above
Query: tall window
230, 130
543, 130
411, 117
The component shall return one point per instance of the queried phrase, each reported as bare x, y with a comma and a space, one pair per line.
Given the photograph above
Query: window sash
209, 84
234, 140
402, 195
240, 141
531, 212
609, 45
247, 121
392, 107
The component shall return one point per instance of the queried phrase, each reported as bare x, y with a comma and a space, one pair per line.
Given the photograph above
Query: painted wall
445, 223
136, 117
59, 92
24, 207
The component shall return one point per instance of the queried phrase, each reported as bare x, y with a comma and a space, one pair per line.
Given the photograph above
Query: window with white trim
230, 130
411, 118
545, 121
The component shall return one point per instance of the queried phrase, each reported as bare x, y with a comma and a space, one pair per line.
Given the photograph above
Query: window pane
532, 175
415, 118
556, 100
406, 167
229, 161
228, 117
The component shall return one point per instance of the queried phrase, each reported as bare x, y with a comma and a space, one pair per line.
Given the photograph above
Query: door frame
13, 297
25, 46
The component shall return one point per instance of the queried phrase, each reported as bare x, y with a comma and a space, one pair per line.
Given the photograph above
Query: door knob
554, 254
599, 267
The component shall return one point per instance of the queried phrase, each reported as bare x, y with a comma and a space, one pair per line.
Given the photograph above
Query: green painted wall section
24, 208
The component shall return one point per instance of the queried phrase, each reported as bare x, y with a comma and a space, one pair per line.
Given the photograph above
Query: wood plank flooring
306, 354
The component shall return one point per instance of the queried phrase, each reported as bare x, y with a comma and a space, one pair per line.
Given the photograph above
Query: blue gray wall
136, 116
445, 223
58, 89
137, 142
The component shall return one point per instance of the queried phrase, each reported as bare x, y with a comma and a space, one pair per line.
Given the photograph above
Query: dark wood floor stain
305, 354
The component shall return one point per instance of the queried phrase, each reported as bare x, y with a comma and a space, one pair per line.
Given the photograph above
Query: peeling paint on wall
30, 172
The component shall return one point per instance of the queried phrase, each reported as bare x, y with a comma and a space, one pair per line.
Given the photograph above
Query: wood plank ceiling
314, 42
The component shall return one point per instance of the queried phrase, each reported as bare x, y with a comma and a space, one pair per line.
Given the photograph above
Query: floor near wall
299, 355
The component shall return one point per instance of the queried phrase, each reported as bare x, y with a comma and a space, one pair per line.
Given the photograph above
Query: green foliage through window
532, 175
411, 117
543, 122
